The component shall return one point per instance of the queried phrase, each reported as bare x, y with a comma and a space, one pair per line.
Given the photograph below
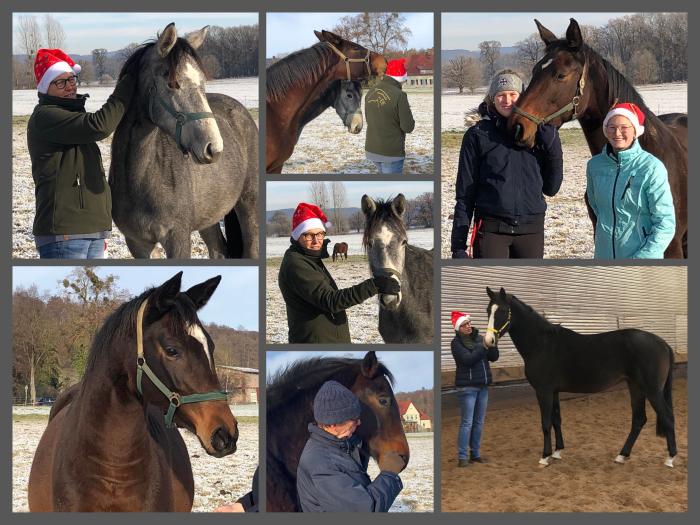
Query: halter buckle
175, 399
140, 361
181, 118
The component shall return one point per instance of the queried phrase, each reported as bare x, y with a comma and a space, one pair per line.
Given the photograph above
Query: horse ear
573, 35
196, 38
399, 204
329, 36
545, 34
490, 293
163, 297
370, 365
319, 35
166, 40
200, 293
368, 205
504, 295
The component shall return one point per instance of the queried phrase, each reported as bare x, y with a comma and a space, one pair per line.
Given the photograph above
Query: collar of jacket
469, 340
347, 444
625, 155
314, 254
71, 104
391, 81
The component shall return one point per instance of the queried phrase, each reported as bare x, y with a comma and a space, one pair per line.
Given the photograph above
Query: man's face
312, 239
69, 88
346, 428
465, 328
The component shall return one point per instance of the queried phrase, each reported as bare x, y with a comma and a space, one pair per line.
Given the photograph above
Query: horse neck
527, 328
591, 119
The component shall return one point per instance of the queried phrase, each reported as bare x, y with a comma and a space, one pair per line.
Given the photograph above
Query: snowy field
423, 238
325, 145
216, 481
245, 90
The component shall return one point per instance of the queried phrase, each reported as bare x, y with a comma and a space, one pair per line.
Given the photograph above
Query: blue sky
411, 370
287, 32
282, 195
466, 30
234, 303
114, 31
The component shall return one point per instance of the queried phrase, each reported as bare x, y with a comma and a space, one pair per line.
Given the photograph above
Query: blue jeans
472, 405
390, 167
74, 249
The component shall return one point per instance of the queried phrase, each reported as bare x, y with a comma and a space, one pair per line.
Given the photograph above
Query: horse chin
389, 302
221, 442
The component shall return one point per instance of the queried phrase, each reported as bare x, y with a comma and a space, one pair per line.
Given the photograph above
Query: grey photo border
263, 7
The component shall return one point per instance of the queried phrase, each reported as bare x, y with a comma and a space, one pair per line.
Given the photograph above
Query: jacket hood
318, 254
72, 104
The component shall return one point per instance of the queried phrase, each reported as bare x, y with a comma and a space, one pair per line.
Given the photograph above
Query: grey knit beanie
506, 80
334, 404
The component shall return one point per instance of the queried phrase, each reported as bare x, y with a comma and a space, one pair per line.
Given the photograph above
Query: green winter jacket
315, 305
389, 118
72, 194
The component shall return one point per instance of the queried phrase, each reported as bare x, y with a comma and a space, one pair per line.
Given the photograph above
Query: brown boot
463, 463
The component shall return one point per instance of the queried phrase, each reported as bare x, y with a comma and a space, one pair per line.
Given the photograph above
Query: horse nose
223, 442
405, 459
518, 132
356, 123
211, 154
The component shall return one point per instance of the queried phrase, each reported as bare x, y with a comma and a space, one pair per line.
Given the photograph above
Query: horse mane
299, 69
181, 49
383, 213
538, 320
301, 379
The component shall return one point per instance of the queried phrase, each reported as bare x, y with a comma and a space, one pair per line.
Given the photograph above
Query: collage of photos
393, 148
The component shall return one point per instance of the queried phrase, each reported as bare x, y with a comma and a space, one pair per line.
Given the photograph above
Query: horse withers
183, 159
560, 360
340, 250
111, 443
572, 81
290, 395
408, 316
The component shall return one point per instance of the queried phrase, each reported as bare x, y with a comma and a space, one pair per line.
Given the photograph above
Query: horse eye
349, 95
561, 76
404, 242
383, 401
172, 352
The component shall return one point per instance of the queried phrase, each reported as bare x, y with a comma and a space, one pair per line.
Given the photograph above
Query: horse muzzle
222, 442
389, 302
355, 122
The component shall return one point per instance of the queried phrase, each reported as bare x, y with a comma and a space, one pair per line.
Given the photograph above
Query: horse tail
234, 235
665, 422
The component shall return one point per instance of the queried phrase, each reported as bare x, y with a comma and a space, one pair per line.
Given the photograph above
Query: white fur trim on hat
403, 78
308, 224
631, 116
460, 321
54, 71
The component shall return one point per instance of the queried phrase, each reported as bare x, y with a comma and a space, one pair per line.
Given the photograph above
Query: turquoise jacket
631, 198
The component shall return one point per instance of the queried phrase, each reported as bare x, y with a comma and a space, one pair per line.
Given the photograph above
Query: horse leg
139, 248
639, 418
556, 421
177, 244
546, 402
215, 241
246, 211
666, 424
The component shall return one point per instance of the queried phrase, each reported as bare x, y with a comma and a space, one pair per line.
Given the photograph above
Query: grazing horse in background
560, 360
572, 81
302, 85
182, 159
111, 443
408, 316
290, 397
340, 249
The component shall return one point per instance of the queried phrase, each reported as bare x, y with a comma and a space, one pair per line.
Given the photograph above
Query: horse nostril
210, 154
405, 458
222, 440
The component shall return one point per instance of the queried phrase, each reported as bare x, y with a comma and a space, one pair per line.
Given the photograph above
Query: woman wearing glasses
628, 191
315, 305
73, 202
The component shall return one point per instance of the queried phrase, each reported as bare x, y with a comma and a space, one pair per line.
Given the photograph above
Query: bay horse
408, 316
560, 360
302, 85
572, 81
340, 249
183, 159
290, 397
111, 443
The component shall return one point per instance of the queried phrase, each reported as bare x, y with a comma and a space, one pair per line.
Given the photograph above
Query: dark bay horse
340, 249
302, 85
111, 442
572, 81
407, 317
290, 396
183, 159
560, 360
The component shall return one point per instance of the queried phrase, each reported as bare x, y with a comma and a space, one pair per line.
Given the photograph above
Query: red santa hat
459, 318
629, 110
308, 217
396, 69
49, 64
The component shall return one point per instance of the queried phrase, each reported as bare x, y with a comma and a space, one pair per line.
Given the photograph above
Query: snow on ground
216, 481
417, 478
423, 238
245, 90
325, 145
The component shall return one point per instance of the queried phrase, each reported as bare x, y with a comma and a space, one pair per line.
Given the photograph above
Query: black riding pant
490, 245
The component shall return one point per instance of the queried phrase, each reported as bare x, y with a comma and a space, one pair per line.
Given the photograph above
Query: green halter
175, 399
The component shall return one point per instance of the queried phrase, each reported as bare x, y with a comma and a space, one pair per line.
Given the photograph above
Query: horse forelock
383, 215
298, 69
182, 49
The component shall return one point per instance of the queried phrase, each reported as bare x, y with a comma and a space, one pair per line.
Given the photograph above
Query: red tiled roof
403, 406
416, 63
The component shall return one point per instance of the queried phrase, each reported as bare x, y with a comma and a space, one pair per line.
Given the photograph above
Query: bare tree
29, 41
99, 62
357, 221
339, 196
318, 194
463, 72
280, 224
380, 32
644, 67
55, 35
490, 53
529, 51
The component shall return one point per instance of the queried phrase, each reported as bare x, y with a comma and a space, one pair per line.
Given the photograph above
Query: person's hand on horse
391, 462
387, 285
546, 136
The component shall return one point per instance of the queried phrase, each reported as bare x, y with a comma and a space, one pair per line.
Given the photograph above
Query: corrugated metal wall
584, 299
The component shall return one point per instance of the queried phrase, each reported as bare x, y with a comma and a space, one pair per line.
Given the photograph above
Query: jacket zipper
80, 190
627, 187
486, 379
617, 176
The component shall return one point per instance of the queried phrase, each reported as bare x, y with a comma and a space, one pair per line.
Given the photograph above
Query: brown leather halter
348, 60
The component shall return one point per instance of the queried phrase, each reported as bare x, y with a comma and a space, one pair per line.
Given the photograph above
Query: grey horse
407, 317
183, 159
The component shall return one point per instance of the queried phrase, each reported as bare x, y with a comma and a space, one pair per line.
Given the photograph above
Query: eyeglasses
61, 82
319, 236
622, 129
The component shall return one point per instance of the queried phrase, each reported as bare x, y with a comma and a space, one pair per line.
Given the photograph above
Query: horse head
347, 104
385, 241
556, 93
381, 427
355, 61
171, 84
499, 312
175, 370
